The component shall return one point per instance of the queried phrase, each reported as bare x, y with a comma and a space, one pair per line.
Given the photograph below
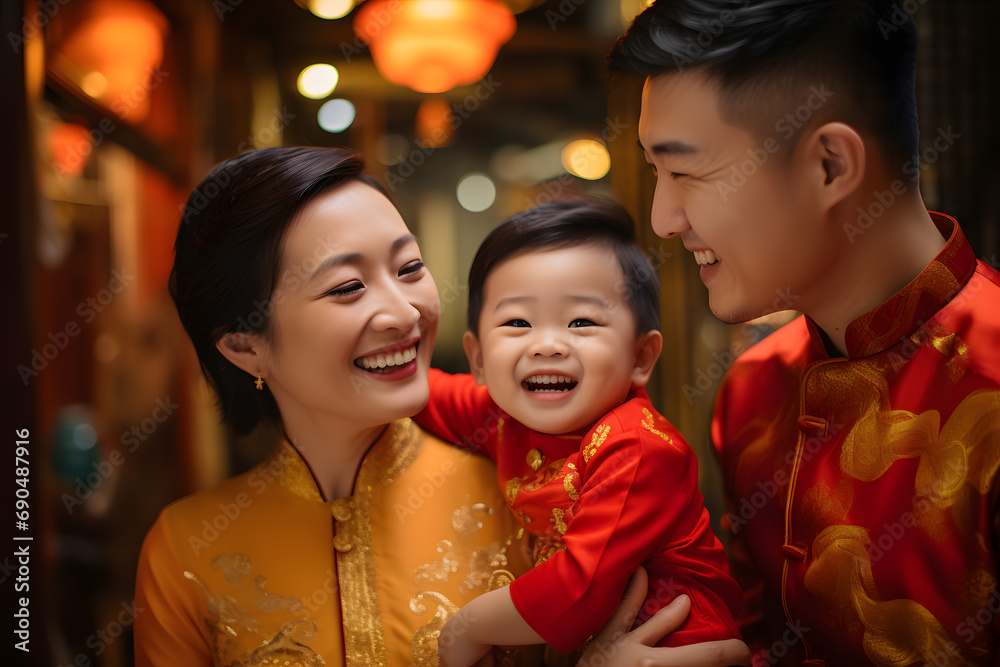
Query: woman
310, 310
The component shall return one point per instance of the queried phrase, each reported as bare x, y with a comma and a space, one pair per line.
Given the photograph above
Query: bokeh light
586, 158
331, 9
476, 192
336, 115
317, 81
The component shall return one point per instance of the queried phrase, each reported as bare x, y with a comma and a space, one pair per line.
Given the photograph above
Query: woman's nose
396, 311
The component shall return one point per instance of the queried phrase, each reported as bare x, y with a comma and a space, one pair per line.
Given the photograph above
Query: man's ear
242, 351
837, 155
647, 350
474, 351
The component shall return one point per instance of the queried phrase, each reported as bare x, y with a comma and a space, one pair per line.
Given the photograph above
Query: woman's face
355, 313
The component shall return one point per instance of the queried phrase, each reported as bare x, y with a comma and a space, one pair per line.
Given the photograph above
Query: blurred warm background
467, 110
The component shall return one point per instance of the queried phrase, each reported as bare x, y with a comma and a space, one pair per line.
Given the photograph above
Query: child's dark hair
567, 224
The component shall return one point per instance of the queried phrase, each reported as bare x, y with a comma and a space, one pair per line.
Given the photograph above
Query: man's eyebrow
353, 257
669, 148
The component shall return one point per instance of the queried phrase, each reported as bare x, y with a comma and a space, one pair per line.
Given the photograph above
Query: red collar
909, 308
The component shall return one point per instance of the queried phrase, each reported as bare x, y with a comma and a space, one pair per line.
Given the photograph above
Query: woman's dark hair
771, 56
567, 224
228, 258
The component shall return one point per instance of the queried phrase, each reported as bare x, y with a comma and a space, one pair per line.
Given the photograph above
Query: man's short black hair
768, 55
568, 224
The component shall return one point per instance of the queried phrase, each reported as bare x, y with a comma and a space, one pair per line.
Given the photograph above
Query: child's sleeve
461, 412
639, 497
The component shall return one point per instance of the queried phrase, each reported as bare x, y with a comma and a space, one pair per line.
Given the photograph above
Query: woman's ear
647, 350
474, 351
242, 351
839, 152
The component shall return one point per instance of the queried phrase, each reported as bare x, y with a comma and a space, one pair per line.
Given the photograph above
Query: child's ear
242, 350
647, 350
474, 351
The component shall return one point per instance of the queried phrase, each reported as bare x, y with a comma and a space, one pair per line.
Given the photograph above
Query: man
860, 443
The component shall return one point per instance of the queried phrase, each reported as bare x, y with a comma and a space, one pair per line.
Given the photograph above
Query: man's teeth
388, 359
705, 257
561, 382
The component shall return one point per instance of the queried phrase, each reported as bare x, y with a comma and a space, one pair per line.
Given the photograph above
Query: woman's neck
331, 448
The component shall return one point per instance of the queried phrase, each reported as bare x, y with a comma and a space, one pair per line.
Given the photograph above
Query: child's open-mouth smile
549, 385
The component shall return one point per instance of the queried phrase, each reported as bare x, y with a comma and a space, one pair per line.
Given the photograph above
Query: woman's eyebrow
354, 257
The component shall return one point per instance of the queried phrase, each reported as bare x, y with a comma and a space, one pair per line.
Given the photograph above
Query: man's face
557, 341
737, 200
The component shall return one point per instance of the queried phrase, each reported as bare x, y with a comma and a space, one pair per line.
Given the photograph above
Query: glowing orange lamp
113, 52
434, 45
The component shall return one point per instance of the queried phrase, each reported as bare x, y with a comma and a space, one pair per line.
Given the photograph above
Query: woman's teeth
387, 360
705, 257
549, 383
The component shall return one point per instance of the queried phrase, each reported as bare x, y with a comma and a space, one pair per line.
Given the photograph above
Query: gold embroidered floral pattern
231, 620
571, 481
596, 440
649, 424
464, 519
557, 520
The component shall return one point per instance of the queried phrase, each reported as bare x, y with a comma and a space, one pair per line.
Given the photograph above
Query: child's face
557, 345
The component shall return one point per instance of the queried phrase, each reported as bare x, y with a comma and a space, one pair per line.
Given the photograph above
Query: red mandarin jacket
602, 502
862, 491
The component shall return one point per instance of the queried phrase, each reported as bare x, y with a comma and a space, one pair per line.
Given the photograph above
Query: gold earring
259, 382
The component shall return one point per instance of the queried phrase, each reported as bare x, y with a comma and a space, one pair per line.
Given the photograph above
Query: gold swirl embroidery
483, 564
423, 646
896, 632
596, 440
285, 650
961, 451
231, 620
570, 481
648, 424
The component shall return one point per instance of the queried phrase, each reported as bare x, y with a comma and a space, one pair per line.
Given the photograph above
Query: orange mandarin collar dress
862, 491
264, 571
602, 502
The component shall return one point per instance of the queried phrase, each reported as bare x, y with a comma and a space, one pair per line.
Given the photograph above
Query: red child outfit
623, 494
863, 490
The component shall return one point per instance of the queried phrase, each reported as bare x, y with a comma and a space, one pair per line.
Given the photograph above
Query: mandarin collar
908, 309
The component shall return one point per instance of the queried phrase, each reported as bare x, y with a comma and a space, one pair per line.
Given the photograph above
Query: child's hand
615, 646
455, 648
